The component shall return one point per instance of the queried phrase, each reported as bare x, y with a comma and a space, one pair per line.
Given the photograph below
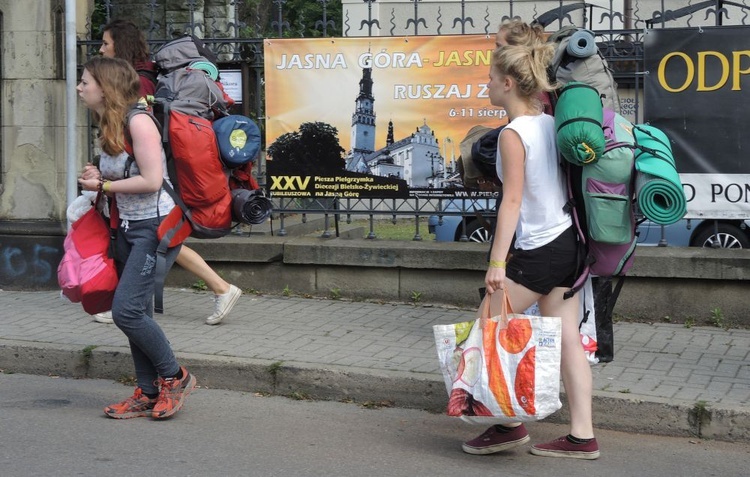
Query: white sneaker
105, 317
223, 305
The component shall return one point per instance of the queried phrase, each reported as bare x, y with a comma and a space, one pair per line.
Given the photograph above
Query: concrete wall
33, 110
676, 284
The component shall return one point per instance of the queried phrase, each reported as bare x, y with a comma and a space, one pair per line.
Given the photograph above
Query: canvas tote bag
501, 368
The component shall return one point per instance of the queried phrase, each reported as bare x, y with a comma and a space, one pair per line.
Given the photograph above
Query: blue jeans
132, 308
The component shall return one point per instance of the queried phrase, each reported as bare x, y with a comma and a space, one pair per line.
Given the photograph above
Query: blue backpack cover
238, 138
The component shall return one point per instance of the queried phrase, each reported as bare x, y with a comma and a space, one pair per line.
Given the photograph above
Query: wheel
729, 236
476, 232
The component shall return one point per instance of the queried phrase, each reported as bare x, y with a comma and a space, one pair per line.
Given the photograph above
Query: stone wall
33, 129
678, 284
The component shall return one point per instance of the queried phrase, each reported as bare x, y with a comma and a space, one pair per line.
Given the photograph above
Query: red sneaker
492, 441
136, 405
172, 394
562, 447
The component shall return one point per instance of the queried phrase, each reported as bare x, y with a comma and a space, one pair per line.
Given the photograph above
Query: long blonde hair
527, 65
120, 85
518, 32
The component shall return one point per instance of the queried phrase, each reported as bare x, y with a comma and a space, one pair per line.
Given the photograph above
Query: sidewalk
666, 379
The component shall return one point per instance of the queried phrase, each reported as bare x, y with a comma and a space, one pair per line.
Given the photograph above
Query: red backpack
187, 100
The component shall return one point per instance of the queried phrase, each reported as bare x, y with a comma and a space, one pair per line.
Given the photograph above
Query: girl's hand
494, 279
90, 177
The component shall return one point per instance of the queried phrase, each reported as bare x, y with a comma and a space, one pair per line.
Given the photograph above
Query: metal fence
237, 35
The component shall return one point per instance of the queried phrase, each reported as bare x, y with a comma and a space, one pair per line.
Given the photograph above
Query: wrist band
497, 263
106, 186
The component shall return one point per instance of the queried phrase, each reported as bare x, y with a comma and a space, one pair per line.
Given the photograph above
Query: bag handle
505, 310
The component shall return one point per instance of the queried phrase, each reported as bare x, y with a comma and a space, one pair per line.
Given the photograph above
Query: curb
369, 387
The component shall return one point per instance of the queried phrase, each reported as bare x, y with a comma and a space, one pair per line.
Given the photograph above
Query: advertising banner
696, 91
373, 117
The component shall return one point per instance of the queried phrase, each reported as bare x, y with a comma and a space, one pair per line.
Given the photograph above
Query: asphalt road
54, 427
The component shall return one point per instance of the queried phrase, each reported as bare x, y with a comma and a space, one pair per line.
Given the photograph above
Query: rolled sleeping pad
582, 44
207, 66
658, 188
250, 207
578, 121
238, 138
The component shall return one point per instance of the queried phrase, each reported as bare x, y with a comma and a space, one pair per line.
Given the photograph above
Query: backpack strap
582, 257
161, 269
150, 75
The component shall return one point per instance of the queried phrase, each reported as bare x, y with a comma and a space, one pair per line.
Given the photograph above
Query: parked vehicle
684, 233
462, 213
697, 233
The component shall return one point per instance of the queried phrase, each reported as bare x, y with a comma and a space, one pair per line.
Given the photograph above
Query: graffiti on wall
29, 262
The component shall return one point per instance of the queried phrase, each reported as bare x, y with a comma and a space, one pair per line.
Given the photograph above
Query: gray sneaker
104, 317
223, 305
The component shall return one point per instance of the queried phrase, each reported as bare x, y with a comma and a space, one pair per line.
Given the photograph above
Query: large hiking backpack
602, 203
603, 198
577, 58
186, 102
188, 98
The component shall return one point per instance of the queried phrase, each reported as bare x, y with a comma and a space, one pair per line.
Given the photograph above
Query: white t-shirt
136, 206
542, 218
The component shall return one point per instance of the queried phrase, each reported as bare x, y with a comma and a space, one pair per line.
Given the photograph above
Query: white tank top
542, 218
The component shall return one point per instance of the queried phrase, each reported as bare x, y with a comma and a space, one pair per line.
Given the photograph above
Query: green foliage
86, 352
287, 291
98, 19
416, 297
200, 285
275, 368
403, 229
699, 417
314, 149
335, 293
299, 18
717, 318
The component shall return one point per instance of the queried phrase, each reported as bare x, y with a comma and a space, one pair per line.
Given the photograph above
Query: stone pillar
185, 16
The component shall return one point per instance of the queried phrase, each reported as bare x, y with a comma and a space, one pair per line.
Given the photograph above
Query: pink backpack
87, 274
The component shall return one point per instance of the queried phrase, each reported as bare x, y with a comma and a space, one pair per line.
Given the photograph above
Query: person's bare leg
194, 263
225, 294
575, 368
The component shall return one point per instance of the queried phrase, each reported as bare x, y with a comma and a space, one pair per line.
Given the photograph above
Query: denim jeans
132, 308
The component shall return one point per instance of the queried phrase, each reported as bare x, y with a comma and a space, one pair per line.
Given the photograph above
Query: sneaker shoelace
168, 385
136, 399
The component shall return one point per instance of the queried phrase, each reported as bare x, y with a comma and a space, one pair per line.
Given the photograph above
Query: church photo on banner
373, 117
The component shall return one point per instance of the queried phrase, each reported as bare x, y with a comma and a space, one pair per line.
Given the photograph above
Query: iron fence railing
237, 35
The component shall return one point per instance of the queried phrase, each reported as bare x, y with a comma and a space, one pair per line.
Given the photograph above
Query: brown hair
120, 85
518, 32
130, 44
527, 65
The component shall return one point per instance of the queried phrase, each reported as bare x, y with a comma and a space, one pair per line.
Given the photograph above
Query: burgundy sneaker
562, 447
492, 441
